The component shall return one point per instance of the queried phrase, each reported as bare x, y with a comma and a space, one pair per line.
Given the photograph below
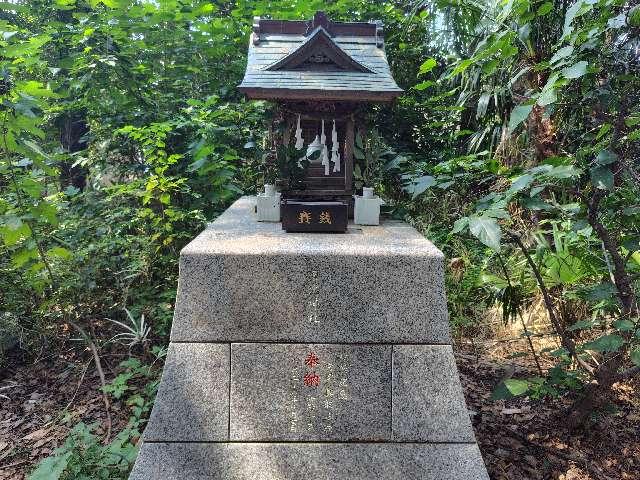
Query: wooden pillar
349, 142
289, 125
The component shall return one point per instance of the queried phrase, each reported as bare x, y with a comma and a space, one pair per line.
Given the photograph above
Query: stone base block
309, 461
242, 281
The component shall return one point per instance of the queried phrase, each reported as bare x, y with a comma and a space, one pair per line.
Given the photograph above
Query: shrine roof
318, 60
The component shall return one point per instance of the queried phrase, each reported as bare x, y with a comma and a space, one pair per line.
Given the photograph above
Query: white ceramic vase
367, 208
268, 204
269, 189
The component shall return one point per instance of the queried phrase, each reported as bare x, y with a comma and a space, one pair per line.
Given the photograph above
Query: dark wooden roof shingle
357, 64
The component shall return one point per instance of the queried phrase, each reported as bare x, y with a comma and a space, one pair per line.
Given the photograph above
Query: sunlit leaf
576, 70
510, 388
605, 344
519, 115
486, 230
427, 66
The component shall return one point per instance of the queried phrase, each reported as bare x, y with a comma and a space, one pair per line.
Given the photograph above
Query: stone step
309, 461
309, 392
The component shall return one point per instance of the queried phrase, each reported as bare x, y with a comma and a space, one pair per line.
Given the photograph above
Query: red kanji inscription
312, 360
311, 379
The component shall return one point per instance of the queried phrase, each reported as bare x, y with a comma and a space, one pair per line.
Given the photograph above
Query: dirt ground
519, 439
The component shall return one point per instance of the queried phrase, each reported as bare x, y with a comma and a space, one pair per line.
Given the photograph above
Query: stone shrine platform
309, 356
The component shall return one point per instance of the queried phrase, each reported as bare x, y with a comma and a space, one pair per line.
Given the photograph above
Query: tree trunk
73, 127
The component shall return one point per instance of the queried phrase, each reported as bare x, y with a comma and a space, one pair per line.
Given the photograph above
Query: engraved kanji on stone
311, 379
312, 360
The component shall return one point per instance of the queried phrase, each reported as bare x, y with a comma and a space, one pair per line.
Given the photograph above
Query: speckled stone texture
428, 404
270, 400
241, 280
296, 461
193, 398
309, 357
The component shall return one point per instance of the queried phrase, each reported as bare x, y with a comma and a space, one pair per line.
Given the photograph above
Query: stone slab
308, 461
428, 403
287, 392
241, 280
193, 398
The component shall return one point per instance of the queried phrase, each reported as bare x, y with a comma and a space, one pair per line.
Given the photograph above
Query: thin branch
524, 325
566, 341
622, 280
96, 359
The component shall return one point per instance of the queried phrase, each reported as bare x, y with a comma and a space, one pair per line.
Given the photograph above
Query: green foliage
83, 457
566, 80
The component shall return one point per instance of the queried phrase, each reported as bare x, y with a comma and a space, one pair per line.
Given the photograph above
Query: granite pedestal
309, 356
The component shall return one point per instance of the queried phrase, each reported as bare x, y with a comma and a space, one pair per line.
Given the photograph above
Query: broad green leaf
424, 85
519, 115
606, 157
563, 171
544, 8
576, 70
486, 230
520, 183
32, 187
624, 325
428, 65
461, 67
51, 468
535, 203
602, 177
605, 344
600, 292
564, 52
60, 252
460, 225
634, 17
548, 94
22, 256
11, 236
45, 211
34, 89
516, 387
420, 185
563, 268
35, 148
510, 388
13, 6
572, 12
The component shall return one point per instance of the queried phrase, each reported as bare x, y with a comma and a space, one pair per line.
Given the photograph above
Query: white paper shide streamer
335, 155
325, 152
299, 139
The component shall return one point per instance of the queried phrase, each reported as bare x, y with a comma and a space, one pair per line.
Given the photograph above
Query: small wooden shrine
320, 73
